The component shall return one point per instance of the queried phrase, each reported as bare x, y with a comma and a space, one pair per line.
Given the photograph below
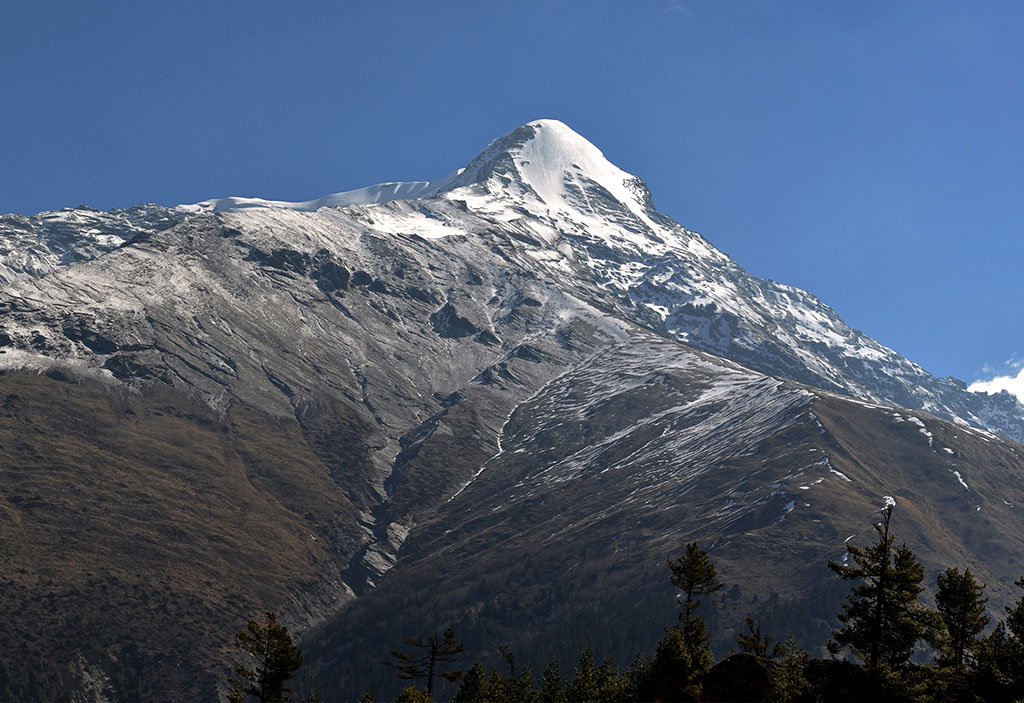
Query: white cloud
1013, 384
675, 6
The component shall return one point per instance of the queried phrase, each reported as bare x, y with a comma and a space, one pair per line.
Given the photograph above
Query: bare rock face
515, 390
38, 245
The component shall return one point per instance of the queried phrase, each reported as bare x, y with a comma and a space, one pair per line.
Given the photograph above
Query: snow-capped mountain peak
544, 166
545, 158
555, 163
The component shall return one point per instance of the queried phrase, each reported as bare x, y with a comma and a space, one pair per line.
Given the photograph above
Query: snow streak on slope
648, 432
652, 416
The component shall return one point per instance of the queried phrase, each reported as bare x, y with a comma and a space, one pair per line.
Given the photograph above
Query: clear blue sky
872, 153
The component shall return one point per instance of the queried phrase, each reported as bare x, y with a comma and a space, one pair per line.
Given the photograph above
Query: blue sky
871, 153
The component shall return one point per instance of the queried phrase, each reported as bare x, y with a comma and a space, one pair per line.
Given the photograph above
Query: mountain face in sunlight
522, 372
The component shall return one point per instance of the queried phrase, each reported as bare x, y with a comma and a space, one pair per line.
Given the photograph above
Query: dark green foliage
517, 690
475, 685
684, 653
499, 687
909, 684
882, 617
999, 666
831, 680
411, 694
698, 647
523, 690
583, 687
437, 652
694, 575
271, 659
999, 657
1015, 614
884, 601
671, 672
507, 611
612, 685
788, 682
480, 686
961, 608
639, 673
552, 684
753, 642
602, 684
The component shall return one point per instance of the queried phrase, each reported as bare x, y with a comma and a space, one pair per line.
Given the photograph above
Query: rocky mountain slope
524, 358
37, 245
561, 540
569, 214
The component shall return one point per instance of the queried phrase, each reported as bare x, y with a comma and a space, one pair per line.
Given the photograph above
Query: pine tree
1015, 614
552, 684
612, 686
521, 690
753, 642
908, 620
961, 607
999, 657
639, 676
671, 671
274, 659
437, 652
999, 666
475, 685
882, 617
513, 687
411, 694
788, 681
694, 575
583, 687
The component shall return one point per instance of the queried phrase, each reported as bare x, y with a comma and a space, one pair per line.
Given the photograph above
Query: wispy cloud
1013, 383
677, 7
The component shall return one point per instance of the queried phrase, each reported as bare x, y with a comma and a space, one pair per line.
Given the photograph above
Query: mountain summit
549, 164
544, 158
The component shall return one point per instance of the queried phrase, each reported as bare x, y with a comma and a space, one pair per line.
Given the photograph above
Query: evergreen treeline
882, 623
